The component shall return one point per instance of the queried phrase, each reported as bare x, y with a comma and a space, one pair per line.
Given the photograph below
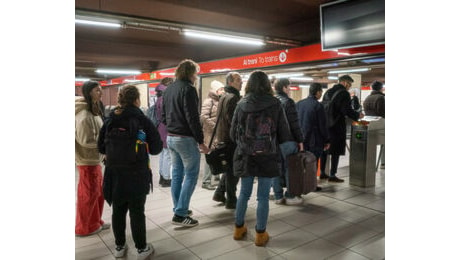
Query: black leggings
137, 217
334, 163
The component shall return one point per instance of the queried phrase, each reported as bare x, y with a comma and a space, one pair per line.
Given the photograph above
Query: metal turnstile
363, 149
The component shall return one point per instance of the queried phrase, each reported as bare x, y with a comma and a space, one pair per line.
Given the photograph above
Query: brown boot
239, 232
261, 239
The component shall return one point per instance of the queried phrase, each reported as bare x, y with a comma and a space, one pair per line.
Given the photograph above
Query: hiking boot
261, 239
184, 221
146, 252
239, 232
208, 186
297, 200
219, 197
335, 179
120, 251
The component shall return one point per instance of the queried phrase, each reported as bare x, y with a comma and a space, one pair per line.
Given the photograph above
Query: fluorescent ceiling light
109, 71
167, 73
131, 80
220, 70
223, 37
115, 25
81, 79
285, 75
374, 60
348, 70
333, 77
304, 86
301, 78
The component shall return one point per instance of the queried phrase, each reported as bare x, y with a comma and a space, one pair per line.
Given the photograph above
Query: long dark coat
341, 109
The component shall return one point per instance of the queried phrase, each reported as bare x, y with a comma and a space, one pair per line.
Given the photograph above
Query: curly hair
259, 84
128, 95
186, 69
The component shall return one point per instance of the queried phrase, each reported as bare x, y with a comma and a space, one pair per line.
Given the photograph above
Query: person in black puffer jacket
126, 186
287, 148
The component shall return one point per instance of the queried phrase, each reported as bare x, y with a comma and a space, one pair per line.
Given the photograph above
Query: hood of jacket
254, 103
80, 104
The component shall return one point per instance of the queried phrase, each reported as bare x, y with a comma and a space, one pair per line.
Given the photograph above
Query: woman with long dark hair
259, 125
88, 122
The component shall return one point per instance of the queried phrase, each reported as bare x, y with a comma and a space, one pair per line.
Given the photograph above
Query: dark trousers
334, 163
227, 184
137, 217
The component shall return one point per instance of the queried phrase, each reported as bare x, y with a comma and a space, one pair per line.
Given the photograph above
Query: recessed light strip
109, 71
223, 37
105, 24
348, 70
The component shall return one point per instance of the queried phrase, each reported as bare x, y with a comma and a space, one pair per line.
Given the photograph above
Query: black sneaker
184, 221
189, 213
219, 197
230, 204
335, 179
161, 181
208, 186
324, 176
166, 183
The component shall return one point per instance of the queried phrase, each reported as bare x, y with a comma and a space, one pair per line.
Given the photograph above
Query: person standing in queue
227, 105
259, 125
88, 122
185, 139
313, 121
338, 107
374, 105
127, 137
287, 148
208, 120
154, 114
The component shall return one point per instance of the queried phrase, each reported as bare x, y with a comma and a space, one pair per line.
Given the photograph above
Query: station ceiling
152, 36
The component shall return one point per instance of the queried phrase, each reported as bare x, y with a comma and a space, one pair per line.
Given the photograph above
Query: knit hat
160, 87
377, 85
216, 85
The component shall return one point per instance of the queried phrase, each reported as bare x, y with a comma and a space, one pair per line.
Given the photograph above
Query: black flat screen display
346, 24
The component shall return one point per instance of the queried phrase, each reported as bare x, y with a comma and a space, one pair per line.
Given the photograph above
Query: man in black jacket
182, 119
339, 107
225, 110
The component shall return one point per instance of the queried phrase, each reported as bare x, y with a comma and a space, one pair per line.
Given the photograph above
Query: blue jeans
263, 190
165, 164
185, 166
286, 149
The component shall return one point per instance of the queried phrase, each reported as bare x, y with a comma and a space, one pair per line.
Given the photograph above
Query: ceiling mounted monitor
348, 24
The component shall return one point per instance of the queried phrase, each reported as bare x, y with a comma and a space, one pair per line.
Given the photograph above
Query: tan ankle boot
261, 239
239, 232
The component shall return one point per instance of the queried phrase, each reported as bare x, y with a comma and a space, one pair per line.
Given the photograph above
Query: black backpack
122, 146
257, 133
328, 104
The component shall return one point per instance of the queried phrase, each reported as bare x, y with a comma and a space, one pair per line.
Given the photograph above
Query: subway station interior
119, 43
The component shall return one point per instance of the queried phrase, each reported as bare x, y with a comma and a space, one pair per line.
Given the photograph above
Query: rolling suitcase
302, 173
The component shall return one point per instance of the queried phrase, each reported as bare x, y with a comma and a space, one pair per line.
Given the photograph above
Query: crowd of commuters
260, 130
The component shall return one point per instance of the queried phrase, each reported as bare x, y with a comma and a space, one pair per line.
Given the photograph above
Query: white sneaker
105, 226
146, 252
294, 201
120, 251
280, 201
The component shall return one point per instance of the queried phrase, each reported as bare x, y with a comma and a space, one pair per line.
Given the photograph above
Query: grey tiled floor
341, 222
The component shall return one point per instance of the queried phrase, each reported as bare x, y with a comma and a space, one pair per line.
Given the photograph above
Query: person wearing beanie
374, 105
208, 119
164, 159
90, 199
